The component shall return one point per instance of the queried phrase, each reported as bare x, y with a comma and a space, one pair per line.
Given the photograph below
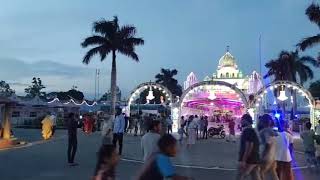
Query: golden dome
227, 60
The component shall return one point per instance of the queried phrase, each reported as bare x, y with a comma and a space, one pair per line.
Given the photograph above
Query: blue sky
42, 38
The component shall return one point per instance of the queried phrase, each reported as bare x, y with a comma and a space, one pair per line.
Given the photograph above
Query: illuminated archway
260, 95
205, 85
168, 100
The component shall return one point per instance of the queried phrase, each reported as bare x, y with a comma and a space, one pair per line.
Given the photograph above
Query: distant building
27, 110
191, 80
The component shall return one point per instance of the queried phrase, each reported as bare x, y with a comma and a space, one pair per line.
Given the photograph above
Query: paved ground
212, 159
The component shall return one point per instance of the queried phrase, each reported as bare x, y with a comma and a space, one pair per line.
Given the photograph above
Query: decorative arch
176, 109
290, 85
213, 83
143, 86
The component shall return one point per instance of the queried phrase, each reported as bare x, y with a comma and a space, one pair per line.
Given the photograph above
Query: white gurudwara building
228, 71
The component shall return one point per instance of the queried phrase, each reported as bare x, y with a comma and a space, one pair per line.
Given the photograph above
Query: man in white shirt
197, 122
284, 146
149, 140
118, 130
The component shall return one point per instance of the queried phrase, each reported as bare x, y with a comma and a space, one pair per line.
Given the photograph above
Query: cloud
55, 76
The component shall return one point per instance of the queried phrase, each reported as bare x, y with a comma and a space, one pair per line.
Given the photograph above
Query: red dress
86, 124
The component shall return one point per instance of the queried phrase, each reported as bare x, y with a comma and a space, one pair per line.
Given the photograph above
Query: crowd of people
196, 127
157, 149
269, 150
265, 151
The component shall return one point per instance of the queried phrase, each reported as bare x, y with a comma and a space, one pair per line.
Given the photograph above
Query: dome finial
228, 47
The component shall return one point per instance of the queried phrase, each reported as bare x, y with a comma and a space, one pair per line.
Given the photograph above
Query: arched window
221, 75
233, 75
227, 75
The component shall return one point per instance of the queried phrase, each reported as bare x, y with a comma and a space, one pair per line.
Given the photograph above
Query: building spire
227, 49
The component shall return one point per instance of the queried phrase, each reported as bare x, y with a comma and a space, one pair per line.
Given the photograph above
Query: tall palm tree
313, 13
291, 67
166, 78
108, 37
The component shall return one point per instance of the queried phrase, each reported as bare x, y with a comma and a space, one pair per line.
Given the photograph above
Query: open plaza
214, 90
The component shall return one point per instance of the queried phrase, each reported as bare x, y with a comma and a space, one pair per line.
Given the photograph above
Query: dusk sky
42, 38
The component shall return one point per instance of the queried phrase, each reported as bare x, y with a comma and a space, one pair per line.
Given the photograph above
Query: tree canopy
35, 89
291, 67
110, 37
5, 89
314, 89
313, 13
166, 78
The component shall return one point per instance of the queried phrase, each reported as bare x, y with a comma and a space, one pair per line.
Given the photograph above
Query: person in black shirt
72, 139
249, 151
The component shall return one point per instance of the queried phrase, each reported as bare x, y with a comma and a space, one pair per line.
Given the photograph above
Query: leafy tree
35, 89
5, 89
313, 13
72, 93
108, 38
314, 89
166, 78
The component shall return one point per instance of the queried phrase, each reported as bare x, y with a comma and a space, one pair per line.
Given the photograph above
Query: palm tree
166, 78
290, 66
313, 13
109, 37
314, 89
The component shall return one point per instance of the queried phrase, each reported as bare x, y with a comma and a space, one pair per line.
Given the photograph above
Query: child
108, 159
159, 165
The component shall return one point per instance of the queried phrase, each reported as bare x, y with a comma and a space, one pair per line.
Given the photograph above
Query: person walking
47, 125
205, 127
317, 129
181, 130
191, 128
54, 123
107, 161
284, 147
136, 123
201, 127
159, 165
72, 139
196, 121
249, 158
169, 124
232, 132
126, 118
267, 147
308, 138
150, 139
118, 130
107, 130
